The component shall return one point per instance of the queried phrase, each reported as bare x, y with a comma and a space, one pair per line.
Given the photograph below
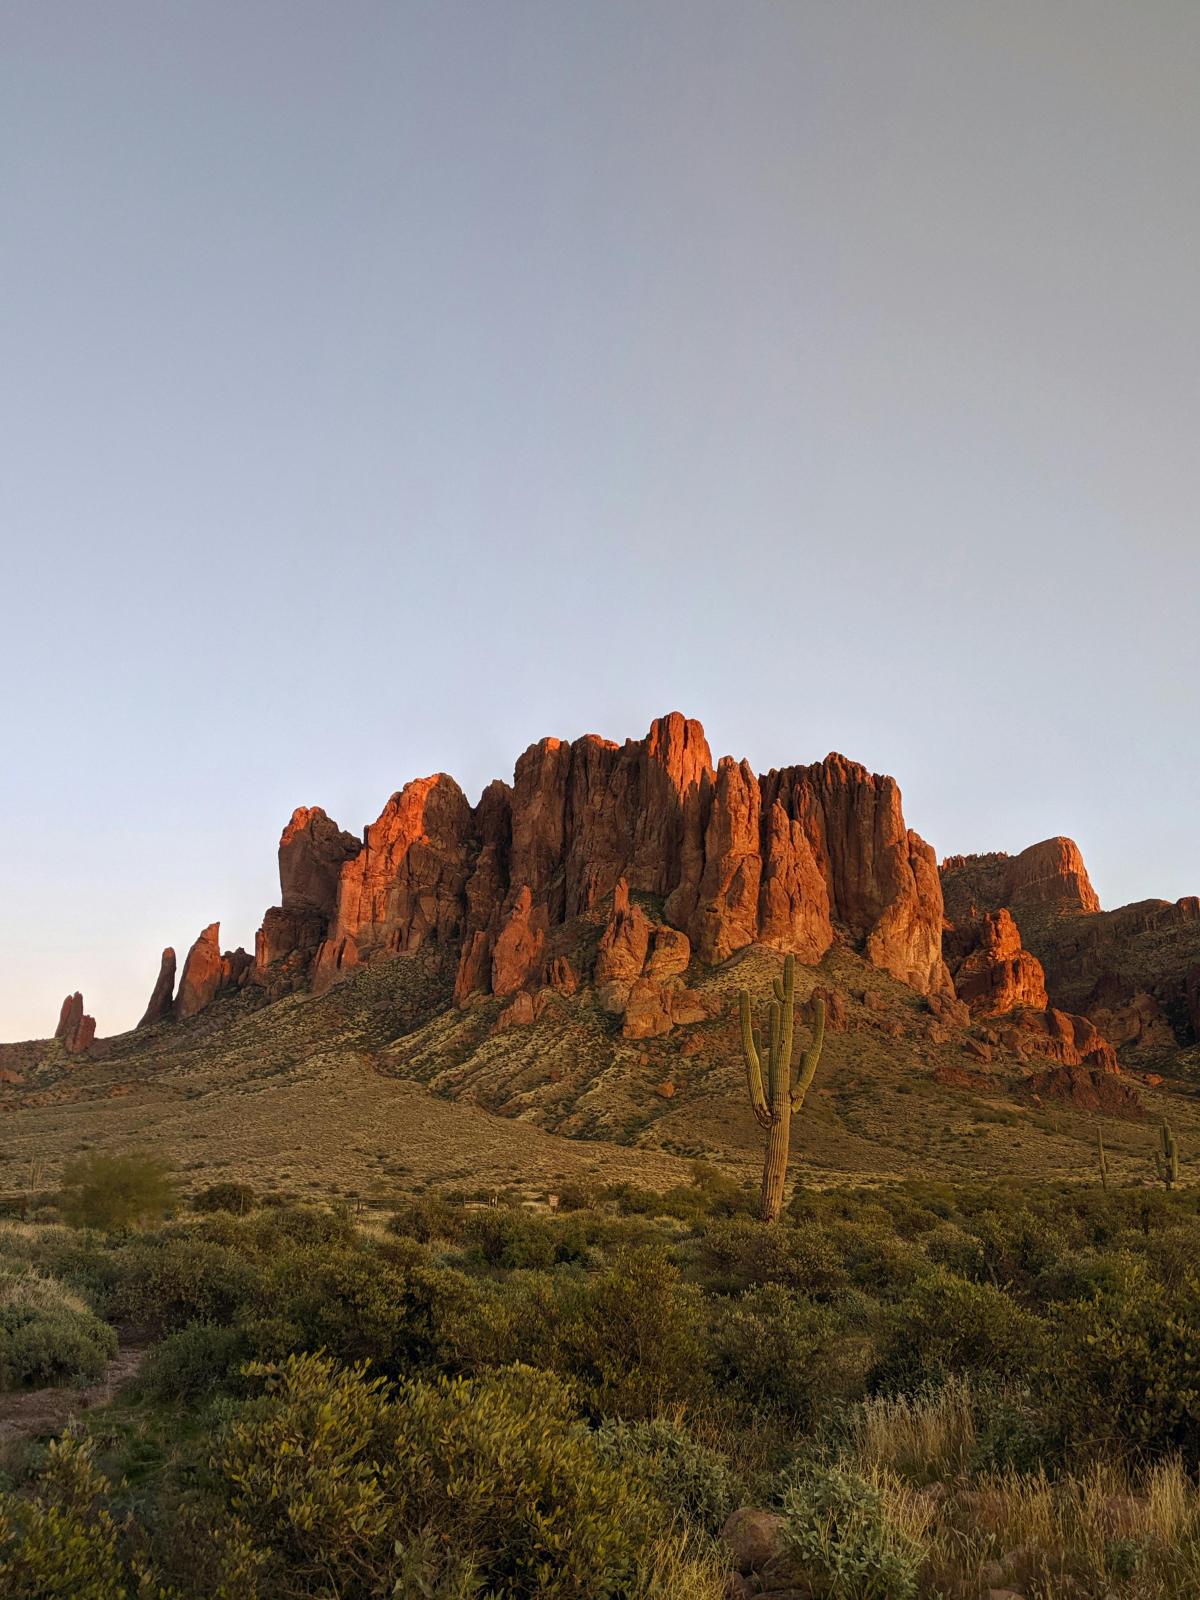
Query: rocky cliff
794, 859
1134, 973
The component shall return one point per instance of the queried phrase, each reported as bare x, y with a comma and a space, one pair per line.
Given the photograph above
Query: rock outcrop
407, 885
1135, 971
312, 853
75, 1030
207, 972
1085, 1089
1048, 878
162, 996
639, 964
998, 974
792, 860
1058, 1036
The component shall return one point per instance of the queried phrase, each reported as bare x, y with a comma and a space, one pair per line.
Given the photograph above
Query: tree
116, 1191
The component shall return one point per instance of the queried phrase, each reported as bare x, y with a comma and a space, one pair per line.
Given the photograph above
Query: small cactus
1102, 1158
784, 1090
1166, 1157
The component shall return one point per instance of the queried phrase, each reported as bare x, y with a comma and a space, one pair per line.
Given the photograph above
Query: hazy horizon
388, 388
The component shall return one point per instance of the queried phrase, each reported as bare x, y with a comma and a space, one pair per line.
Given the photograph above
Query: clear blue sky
384, 386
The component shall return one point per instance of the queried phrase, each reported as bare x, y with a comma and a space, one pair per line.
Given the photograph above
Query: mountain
566, 954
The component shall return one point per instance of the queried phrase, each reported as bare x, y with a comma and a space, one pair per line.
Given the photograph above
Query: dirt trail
33, 1413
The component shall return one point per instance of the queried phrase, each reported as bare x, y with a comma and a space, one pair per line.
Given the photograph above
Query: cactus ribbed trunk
775, 1163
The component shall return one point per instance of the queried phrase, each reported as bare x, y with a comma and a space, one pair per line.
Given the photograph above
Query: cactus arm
754, 1080
810, 1058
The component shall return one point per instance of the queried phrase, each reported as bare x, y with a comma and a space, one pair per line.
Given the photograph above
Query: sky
384, 386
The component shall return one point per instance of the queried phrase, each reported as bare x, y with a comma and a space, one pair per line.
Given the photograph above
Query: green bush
629, 1335
1121, 1371
165, 1280
840, 1538
514, 1239
60, 1543
194, 1363
780, 1349
494, 1482
740, 1253
237, 1198
427, 1217
946, 1327
696, 1482
115, 1191
47, 1334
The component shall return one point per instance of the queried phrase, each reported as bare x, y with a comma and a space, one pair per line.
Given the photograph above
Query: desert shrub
193, 1363
60, 1543
515, 1239
629, 1335
780, 1349
1121, 1371
740, 1253
947, 1327
873, 1257
115, 1191
697, 1482
428, 1216
493, 1481
163, 1281
237, 1198
840, 1536
401, 1313
578, 1195
47, 1334
276, 1227
1015, 1246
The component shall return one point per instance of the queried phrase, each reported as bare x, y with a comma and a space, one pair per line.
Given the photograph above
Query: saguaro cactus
1166, 1159
1102, 1158
784, 1090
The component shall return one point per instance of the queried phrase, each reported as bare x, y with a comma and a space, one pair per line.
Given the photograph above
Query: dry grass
680, 1565
1105, 1532
925, 1439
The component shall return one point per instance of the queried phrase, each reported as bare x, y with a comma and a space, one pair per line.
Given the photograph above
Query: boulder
755, 1537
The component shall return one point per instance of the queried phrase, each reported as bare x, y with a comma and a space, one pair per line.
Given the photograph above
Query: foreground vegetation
929, 1390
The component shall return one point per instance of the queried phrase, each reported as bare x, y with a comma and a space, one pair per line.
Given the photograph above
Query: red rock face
881, 879
625, 942
407, 885
1059, 1036
787, 860
1051, 874
162, 995
998, 975
1049, 877
207, 973
312, 852
75, 1029
517, 955
202, 973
